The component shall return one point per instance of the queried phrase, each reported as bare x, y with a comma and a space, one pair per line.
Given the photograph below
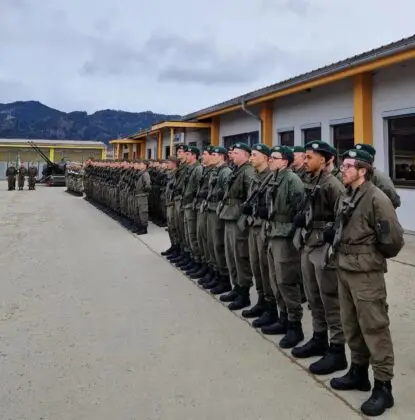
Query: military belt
356, 249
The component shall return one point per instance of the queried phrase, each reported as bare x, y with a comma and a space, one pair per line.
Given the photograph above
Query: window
249, 138
311, 134
343, 137
149, 153
402, 150
286, 138
167, 152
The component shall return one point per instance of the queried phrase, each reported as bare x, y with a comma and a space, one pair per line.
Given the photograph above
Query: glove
221, 194
263, 213
247, 209
299, 220
328, 234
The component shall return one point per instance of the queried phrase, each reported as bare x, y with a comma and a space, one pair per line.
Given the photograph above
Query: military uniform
320, 284
366, 233
11, 173
32, 173
236, 241
21, 174
142, 188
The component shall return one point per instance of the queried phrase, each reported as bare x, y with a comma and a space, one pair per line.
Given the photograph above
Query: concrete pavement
94, 324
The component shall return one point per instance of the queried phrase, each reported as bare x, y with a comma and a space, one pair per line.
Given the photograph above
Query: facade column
266, 115
214, 131
171, 141
130, 151
363, 115
52, 154
160, 145
104, 153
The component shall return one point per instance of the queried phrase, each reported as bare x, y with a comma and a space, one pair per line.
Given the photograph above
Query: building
368, 98
14, 150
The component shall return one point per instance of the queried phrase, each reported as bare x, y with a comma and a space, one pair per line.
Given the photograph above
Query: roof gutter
253, 115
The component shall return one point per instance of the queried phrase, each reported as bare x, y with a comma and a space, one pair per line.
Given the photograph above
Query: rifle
346, 209
307, 208
252, 200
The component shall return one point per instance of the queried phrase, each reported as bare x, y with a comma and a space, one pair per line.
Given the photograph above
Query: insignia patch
358, 147
352, 154
314, 146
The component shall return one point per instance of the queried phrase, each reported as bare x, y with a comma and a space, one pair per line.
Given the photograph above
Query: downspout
253, 115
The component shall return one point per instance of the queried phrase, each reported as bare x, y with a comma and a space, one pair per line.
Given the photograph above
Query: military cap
193, 149
319, 146
359, 154
230, 148
299, 149
145, 161
208, 148
183, 147
263, 148
333, 149
242, 146
219, 149
366, 147
286, 152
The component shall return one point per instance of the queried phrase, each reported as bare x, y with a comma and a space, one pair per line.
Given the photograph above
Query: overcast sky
177, 56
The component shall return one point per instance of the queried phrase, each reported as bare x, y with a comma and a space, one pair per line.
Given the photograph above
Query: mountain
33, 120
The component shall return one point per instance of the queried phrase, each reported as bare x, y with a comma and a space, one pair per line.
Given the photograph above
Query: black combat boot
194, 269
294, 335
332, 361
142, 230
224, 286
268, 317
184, 261
213, 282
277, 328
242, 301
168, 251
209, 276
357, 378
191, 263
380, 400
317, 346
174, 259
257, 310
200, 273
231, 296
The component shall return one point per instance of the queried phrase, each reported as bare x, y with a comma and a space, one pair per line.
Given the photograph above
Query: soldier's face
351, 173
215, 158
257, 159
299, 159
206, 158
181, 154
276, 161
240, 156
313, 161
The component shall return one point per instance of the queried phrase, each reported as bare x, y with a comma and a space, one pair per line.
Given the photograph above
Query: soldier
178, 188
380, 179
236, 241
366, 232
21, 173
332, 166
284, 198
190, 188
11, 173
323, 190
32, 172
266, 308
174, 250
142, 187
200, 205
298, 165
217, 278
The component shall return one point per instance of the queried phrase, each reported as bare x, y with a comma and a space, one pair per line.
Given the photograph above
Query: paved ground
94, 324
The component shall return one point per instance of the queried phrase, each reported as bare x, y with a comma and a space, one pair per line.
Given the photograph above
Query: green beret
183, 147
208, 148
193, 149
230, 148
219, 149
299, 149
366, 147
334, 150
359, 154
286, 153
242, 146
263, 148
319, 147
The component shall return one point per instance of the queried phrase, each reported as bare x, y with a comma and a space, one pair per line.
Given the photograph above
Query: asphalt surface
95, 324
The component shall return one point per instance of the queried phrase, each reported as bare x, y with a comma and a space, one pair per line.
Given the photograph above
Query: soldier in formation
289, 219
74, 176
32, 174
21, 174
11, 173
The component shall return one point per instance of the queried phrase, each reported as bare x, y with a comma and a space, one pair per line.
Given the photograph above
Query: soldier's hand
328, 234
299, 220
247, 209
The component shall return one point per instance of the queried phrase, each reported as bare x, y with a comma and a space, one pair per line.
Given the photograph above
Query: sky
178, 56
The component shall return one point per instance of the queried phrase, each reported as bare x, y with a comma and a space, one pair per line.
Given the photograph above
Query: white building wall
151, 144
237, 122
394, 93
166, 142
321, 106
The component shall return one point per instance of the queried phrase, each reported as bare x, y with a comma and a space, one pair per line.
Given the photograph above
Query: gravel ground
94, 324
